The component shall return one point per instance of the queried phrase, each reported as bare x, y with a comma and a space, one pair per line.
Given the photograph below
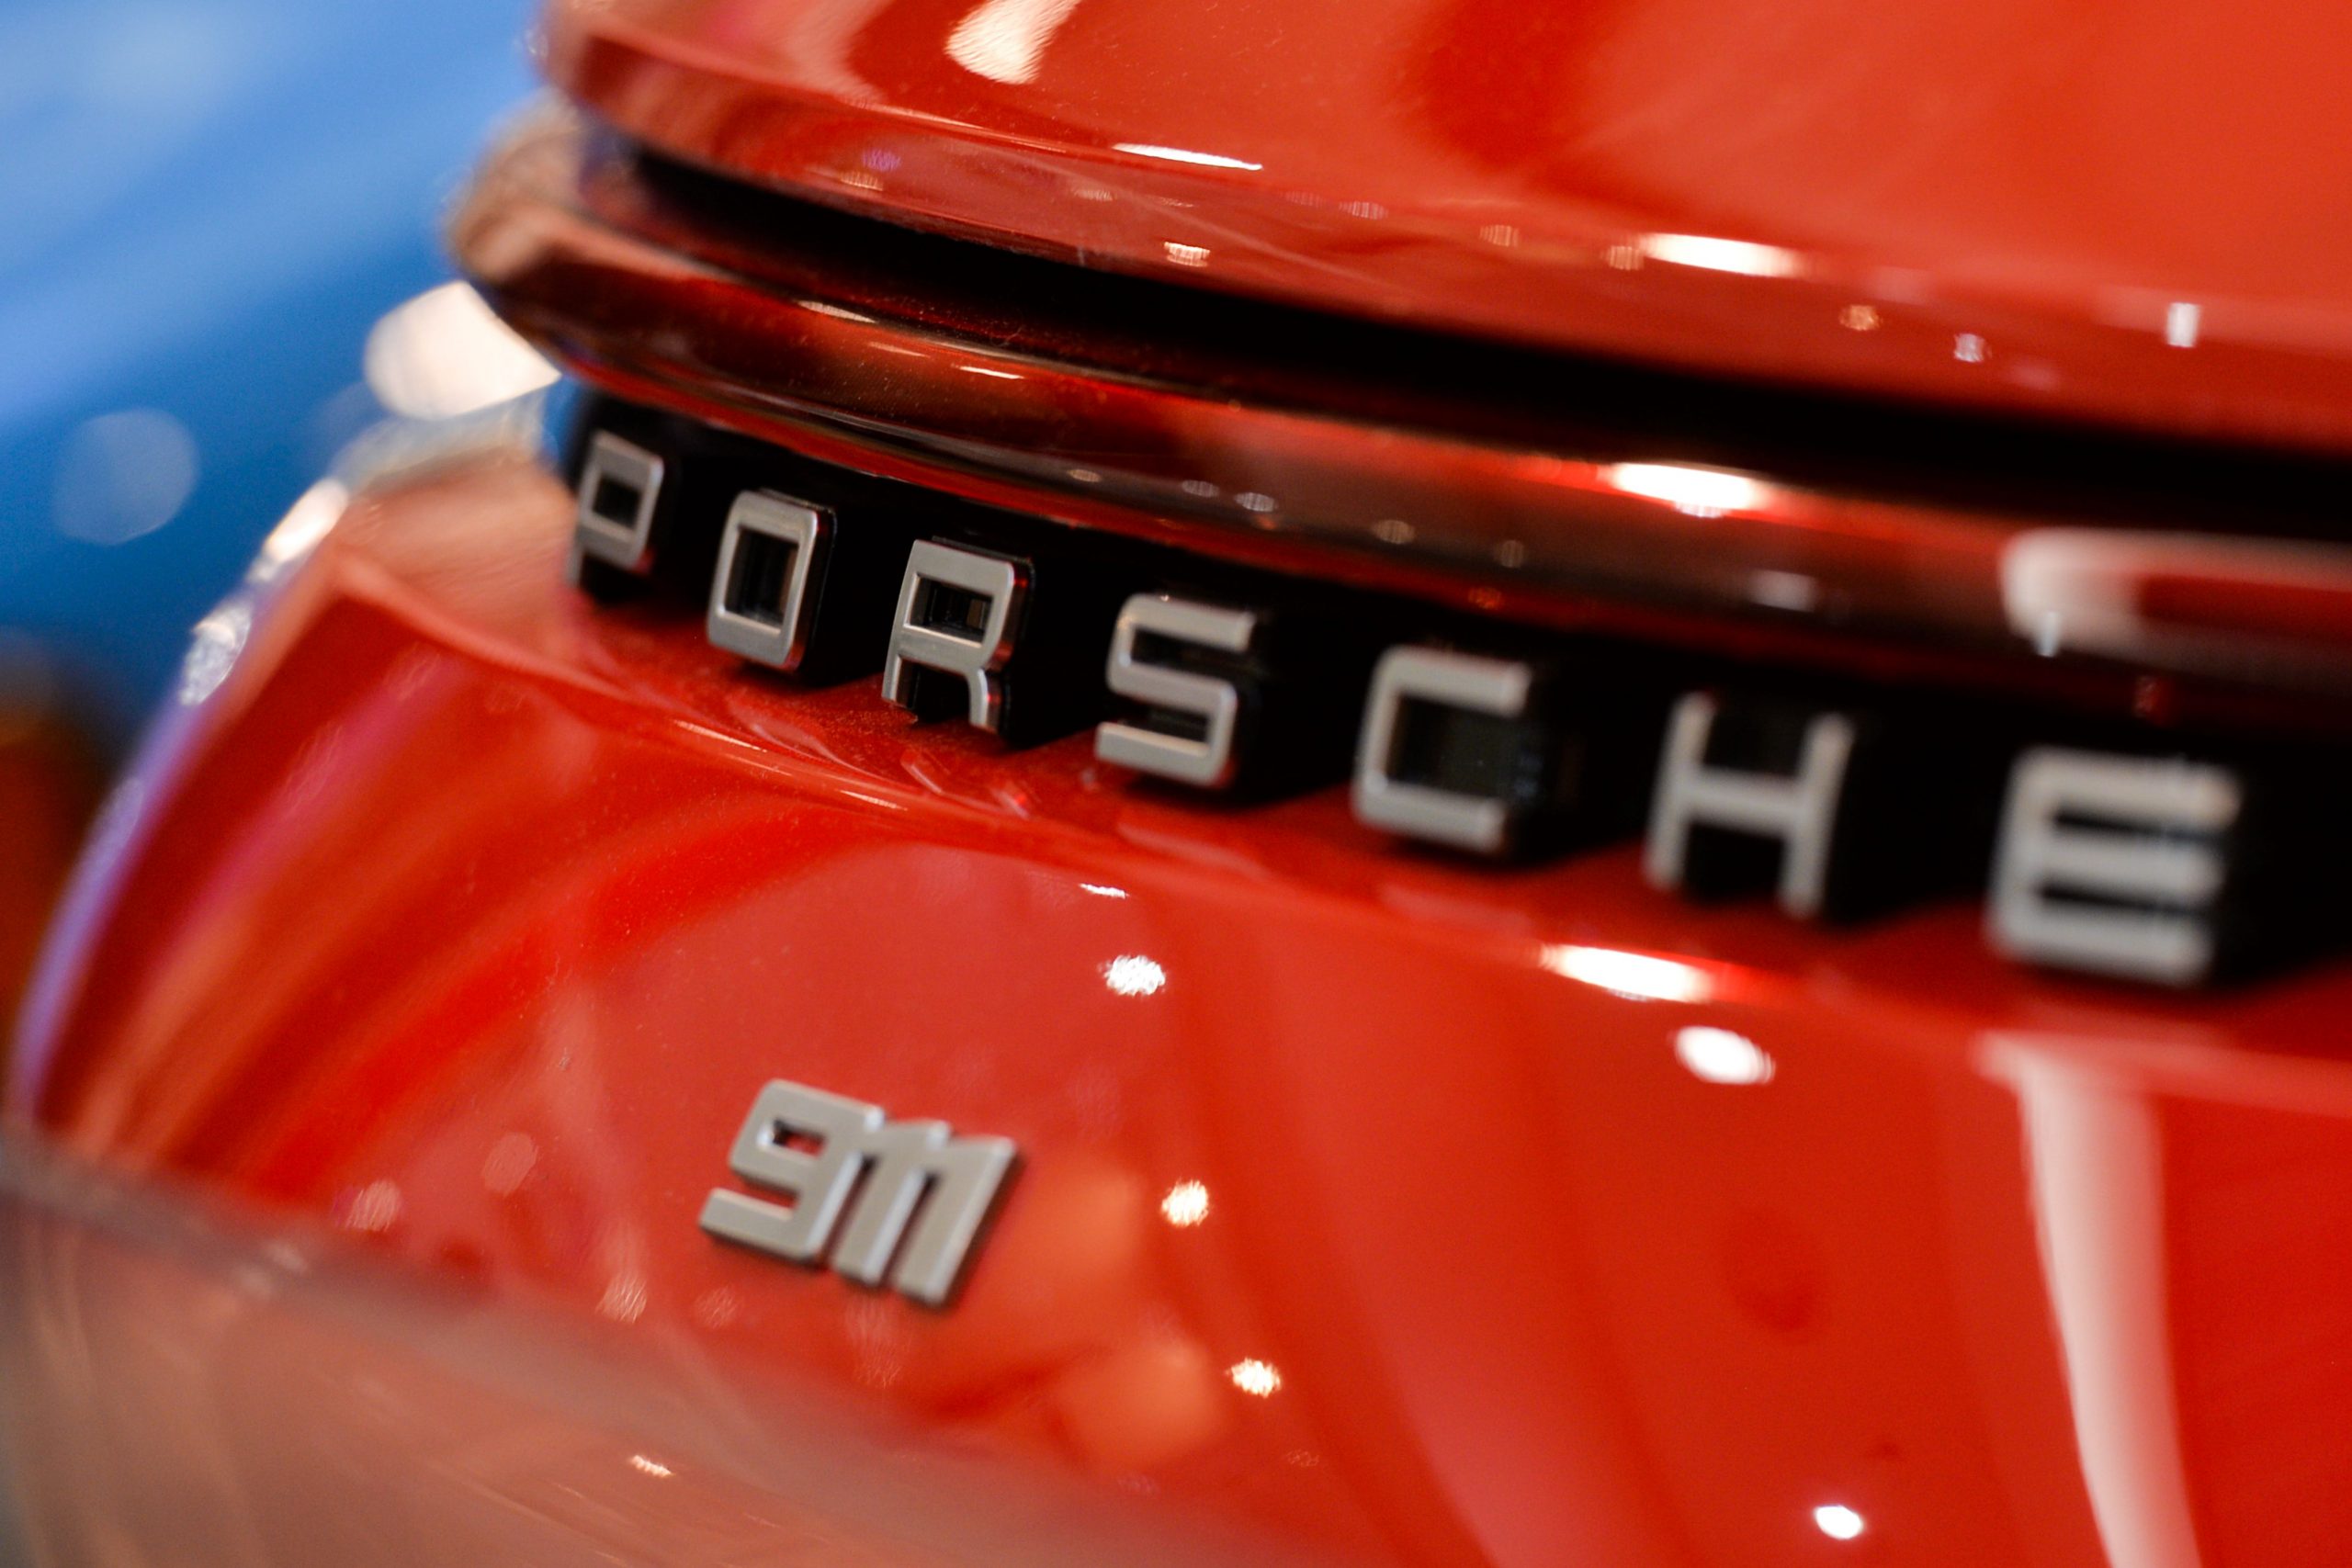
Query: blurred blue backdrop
208, 203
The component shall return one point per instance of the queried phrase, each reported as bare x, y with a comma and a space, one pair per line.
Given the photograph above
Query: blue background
204, 206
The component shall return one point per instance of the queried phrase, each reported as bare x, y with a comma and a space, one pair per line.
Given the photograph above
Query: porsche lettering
1485, 741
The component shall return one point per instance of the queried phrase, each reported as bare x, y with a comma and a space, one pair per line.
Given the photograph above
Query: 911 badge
905, 1191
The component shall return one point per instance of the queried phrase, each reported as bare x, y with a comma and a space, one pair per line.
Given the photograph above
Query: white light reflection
1634, 975
1184, 155
707, 733
1255, 1377
1134, 975
886, 804
1005, 40
444, 354
1722, 255
1837, 1521
2095, 1154
2085, 589
1187, 1205
986, 370
212, 651
652, 1467
1700, 493
308, 521
1968, 348
2181, 321
1717, 1055
1186, 255
1101, 891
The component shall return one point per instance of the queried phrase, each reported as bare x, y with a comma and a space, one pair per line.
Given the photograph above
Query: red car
1420, 782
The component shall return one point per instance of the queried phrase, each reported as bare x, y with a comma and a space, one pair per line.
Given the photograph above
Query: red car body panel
2133, 213
1371, 1206
465, 918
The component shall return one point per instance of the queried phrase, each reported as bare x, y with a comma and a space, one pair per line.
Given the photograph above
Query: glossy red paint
2131, 212
825, 347
1546, 1218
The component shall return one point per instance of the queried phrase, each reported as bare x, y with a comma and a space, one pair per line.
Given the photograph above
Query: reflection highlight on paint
1005, 40
312, 517
1255, 1377
446, 353
1637, 976
213, 651
1718, 1056
1702, 493
1187, 1205
1134, 975
1185, 156
1837, 1521
1712, 254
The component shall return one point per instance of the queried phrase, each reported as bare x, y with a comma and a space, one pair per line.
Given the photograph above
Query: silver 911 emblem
919, 1186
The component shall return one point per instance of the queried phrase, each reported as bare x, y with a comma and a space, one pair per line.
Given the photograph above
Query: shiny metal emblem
1176, 695
620, 490
958, 609
772, 550
893, 1182
2172, 869
1385, 796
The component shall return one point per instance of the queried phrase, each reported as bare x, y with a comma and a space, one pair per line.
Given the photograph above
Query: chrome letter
2143, 895
758, 595
619, 487
818, 1182
1207, 760
1799, 810
1385, 797
956, 609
